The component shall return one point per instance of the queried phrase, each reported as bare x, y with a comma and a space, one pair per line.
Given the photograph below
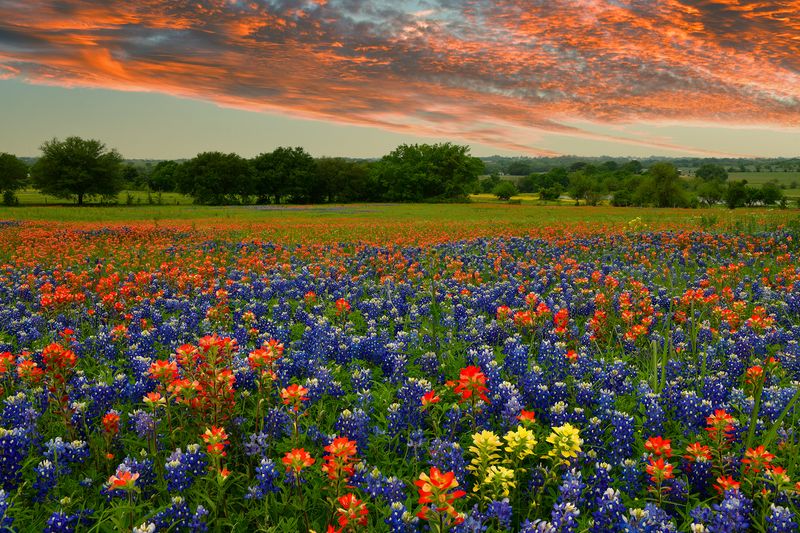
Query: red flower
429, 398
433, 488
216, 439
696, 451
503, 312
164, 371
472, 382
726, 483
340, 458
111, 423
351, 511
659, 470
720, 424
658, 446
526, 417
342, 306
123, 480
297, 459
757, 459
294, 395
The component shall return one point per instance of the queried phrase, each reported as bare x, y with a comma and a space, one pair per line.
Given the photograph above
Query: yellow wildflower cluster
519, 443
566, 443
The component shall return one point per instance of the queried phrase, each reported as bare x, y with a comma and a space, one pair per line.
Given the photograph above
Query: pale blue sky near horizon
150, 125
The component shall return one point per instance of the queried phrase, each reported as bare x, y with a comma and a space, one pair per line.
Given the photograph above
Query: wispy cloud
496, 72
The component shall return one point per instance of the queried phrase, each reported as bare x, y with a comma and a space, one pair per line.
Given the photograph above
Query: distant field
34, 197
789, 179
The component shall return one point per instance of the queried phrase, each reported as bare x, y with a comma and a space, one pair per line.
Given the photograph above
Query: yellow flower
520, 442
485, 446
498, 482
566, 442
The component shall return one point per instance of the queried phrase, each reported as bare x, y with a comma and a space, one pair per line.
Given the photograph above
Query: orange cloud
496, 72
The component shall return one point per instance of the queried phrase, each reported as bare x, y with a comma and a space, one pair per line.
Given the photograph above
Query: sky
170, 78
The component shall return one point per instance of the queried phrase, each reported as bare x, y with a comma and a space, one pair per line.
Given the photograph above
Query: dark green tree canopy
164, 178
416, 172
216, 178
710, 171
286, 173
505, 190
78, 168
13, 172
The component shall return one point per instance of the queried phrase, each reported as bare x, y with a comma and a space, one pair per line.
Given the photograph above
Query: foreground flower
757, 459
566, 443
471, 384
123, 480
352, 511
429, 398
297, 459
216, 439
720, 425
294, 395
434, 489
659, 470
658, 446
725, 483
520, 442
340, 458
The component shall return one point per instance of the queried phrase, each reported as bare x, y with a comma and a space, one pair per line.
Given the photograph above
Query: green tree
580, 185
164, 178
343, 180
711, 192
13, 175
287, 173
215, 178
736, 194
411, 173
78, 168
711, 172
505, 190
666, 185
771, 193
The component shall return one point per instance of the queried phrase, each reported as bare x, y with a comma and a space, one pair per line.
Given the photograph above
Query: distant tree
710, 192
216, 178
771, 193
736, 194
411, 173
632, 167
487, 185
287, 173
520, 167
580, 186
666, 184
342, 180
131, 175
77, 168
622, 198
13, 175
550, 194
711, 172
163, 177
505, 190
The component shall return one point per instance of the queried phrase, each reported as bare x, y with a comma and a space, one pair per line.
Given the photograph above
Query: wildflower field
399, 368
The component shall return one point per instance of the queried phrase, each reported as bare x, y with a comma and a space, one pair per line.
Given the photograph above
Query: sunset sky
171, 78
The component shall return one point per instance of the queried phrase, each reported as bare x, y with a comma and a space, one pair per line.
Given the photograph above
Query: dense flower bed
154, 380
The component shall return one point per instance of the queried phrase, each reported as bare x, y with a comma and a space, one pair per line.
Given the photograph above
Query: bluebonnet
266, 477
182, 468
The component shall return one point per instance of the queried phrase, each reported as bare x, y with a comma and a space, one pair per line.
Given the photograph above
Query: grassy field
791, 180
34, 197
397, 222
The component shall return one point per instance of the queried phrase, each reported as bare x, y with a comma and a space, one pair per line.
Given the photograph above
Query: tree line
630, 184
81, 169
